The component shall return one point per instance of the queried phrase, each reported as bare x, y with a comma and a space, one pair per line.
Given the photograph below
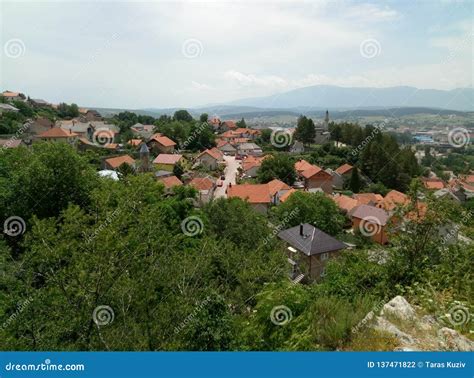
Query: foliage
305, 131
313, 208
277, 166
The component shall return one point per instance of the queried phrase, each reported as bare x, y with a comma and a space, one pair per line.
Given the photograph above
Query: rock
384, 325
406, 349
427, 322
449, 339
400, 308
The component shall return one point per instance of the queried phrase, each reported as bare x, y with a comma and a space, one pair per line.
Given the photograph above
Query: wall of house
321, 180
380, 237
313, 266
208, 161
164, 167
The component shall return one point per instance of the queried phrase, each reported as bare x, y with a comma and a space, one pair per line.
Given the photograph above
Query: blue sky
165, 54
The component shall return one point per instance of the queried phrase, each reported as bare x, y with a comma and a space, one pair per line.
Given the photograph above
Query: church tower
326, 121
145, 158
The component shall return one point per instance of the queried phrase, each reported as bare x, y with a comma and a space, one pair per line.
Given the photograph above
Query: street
230, 172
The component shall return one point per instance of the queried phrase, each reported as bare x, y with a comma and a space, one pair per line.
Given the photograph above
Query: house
297, 147
161, 144
287, 195
371, 221
249, 149
302, 165
345, 170
345, 203
433, 183
371, 199
135, 142
170, 182
57, 134
143, 131
226, 148
210, 159
455, 196
37, 126
215, 122
260, 196
205, 187
167, 162
250, 166
228, 125
115, 162
91, 114
310, 250
393, 199
11, 143
337, 179
39, 103
7, 108
316, 177
13, 96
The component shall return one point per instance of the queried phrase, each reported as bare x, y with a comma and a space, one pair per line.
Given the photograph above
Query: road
230, 172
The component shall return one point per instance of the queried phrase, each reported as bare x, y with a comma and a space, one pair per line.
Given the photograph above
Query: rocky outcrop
413, 332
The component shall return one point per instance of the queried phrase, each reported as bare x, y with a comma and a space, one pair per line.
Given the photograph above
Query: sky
157, 54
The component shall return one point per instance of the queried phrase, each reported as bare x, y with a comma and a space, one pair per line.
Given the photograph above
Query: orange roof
170, 181
367, 198
230, 124
433, 184
469, 179
167, 159
163, 140
239, 140
253, 193
221, 143
213, 152
276, 185
10, 94
135, 142
202, 183
57, 132
345, 202
392, 199
311, 171
302, 165
343, 169
287, 195
229, 134
116, 162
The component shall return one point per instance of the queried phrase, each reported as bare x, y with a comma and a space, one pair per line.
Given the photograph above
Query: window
324, 256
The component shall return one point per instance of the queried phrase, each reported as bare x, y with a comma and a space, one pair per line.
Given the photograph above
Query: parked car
220, 183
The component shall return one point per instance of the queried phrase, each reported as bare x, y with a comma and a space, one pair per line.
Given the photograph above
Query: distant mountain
341, 98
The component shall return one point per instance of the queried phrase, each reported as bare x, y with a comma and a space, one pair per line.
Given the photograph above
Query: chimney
301, 229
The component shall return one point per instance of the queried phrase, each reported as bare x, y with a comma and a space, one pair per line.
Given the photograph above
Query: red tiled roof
276, 185
167, 159
345, 202
135, 142
170, 181
343, 169
165, 141
302, 165
253, 193
311, 171
287, 195
367, 198
10, 94
57, 132
117, 161
392, 199
230, 124
202, 183
213, 152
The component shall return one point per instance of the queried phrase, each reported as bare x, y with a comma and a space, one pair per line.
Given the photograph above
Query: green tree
313, 208
203, 117
278, 166
305, 131
354, 181
182, 115
241, 123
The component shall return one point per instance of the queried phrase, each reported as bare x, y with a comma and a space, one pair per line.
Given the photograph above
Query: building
13, 96
115, 162
167, 162
226, 148
170, 182
7, 108
57, 134
259, 196
210, 159
372, 222
39, 103
205, 187
310, 250
143, 131
11, 143
297, 147
249, 149
161, 144
315, 177
250, 166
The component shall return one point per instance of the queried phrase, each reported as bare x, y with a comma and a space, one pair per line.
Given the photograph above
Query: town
347, 212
